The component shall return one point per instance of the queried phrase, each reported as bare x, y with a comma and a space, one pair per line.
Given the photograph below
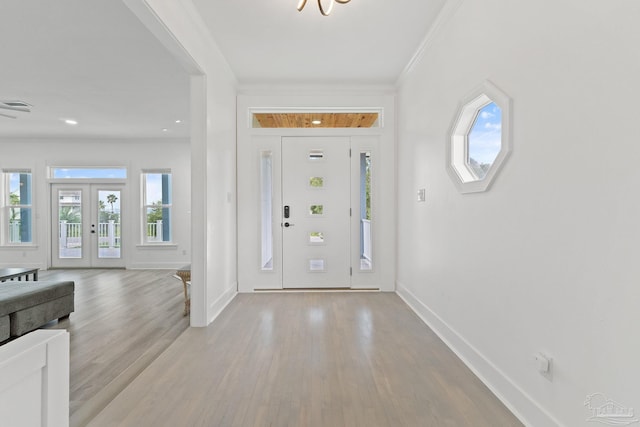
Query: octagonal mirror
480, 139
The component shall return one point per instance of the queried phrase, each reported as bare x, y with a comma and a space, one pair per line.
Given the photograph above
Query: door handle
286, 224
287, 211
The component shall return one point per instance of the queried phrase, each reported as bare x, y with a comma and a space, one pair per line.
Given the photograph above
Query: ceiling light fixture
71, 122
325, 9
14, 106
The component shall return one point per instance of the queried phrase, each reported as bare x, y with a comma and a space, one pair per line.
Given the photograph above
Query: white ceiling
88, 60
362, 42
94, 62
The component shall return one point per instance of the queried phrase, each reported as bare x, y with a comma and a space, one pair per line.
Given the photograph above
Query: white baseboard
156, 265
222, 301
513, 397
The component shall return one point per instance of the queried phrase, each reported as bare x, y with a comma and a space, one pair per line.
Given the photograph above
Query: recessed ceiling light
165, 130
316, 122
178, 121
71, 122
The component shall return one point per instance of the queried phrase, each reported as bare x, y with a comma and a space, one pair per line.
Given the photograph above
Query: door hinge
350, 271
350, 213
349, 152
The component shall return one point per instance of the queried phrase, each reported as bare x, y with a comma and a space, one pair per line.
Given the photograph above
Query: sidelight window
366, 255
266, 210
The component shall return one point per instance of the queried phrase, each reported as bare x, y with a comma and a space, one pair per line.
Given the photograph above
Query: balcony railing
109, 234
154, 231
14, 232
18, 233
70, 233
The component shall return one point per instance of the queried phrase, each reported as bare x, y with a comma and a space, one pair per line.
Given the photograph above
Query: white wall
213, 147
547, 259
135, 155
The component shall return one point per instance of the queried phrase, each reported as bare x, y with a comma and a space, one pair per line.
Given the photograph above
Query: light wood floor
122, 321
308, 359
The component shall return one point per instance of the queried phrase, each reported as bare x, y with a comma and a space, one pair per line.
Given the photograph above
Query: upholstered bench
25, 306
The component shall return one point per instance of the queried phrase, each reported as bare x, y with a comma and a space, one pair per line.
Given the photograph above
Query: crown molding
446, 14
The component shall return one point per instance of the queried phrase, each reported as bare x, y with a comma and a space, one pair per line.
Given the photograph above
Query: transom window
316, 119
88, 173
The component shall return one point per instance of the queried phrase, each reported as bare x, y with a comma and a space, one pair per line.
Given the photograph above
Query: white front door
86, 225
315, 212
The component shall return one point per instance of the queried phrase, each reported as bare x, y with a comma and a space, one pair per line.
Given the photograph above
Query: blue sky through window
103, 196
14, 188
14, 183
485, 137
153, 188
90, 173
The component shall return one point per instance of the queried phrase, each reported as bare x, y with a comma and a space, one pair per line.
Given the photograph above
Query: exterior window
88, 173
316, 237
480, 139
156, 191
316, 210
366, 257
484, 140
266, 209
316, 182
18, 211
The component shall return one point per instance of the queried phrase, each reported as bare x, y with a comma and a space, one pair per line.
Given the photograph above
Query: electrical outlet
422, 195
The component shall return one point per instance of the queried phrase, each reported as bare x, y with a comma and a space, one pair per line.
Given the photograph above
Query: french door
316, 212
86, 225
